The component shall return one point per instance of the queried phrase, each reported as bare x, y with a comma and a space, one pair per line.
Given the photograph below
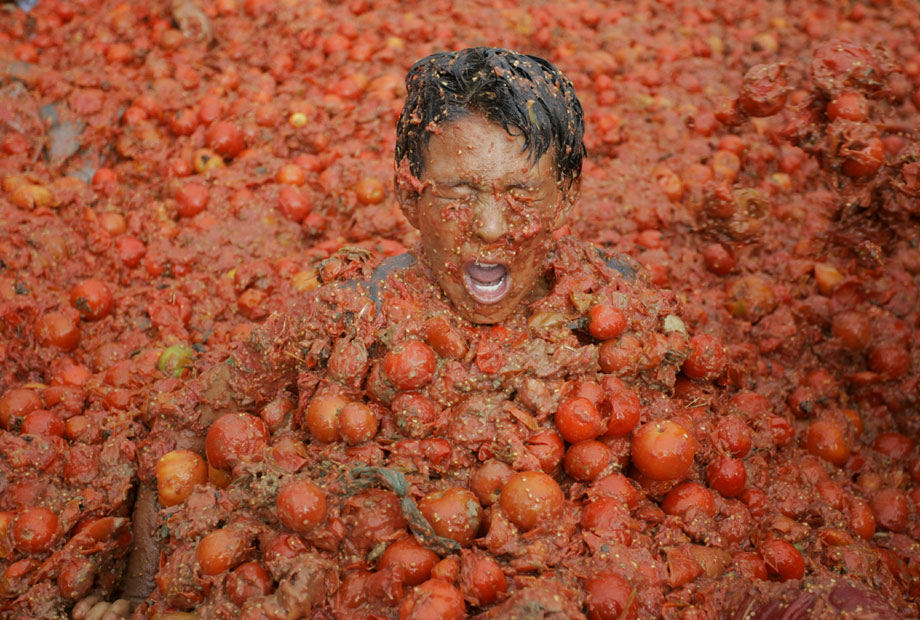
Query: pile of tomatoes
735, 426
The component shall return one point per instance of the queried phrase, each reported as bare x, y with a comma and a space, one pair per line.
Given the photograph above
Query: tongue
486, 274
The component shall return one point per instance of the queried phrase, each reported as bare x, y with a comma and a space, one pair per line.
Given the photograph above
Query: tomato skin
783, 559
607, 596
685, 498
663, 450
707, 358
235, 437
435, 599
864, 160
750, 565
248, 580
454, 513
15, 404
605, 322
414, 561
178, 473
531, 498
301, 506
577, 419
34, 529
93, 299
410, 366
219, 551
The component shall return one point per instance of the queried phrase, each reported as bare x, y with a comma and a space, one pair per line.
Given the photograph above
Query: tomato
130, 251
481, 579
530, 499
577, 419
413, 560
618, 487
849, 105
433, 600
370, 191
235, 437
34, 529
782, 559
750, 298
410, 366
192, 199
619, 355
663, 450
291, 174
734, 435
707, 358
219, 550
225, 138
726, 475
322, 416
445, 340
586, 460
415, 414
687, 498
75, 579
178, 473
862, 518
93, 299
828, 440
454, 513
57, 329
301, 506
864, 159
892, 361
894, 445
608, 596
293, 204
605, 322
44, 423
625, 408
718, 259
891, 509
750, 565
248, 580
357, 423
487, 480
15, 404
763, 92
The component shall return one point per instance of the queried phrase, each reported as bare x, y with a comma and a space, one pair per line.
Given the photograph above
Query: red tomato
487, 481
57, 329
75, 579
625, 408
663, 450
605, 322
410, 366
686, 498
577, 419
853, 329
433, 600
608, 596
370, 191
548, 447
891, 509
301, 506
178, 473
454, 513
291, 174
192, 199
44, 423
828, 440
413, 560
225, 138
34, 529
322, 416
357, 423
15, 405
130, 251
851, 106
586, 460
235, 437
531, 498
219, 551
734, 435
444, 339
247, 581
93, 299
707, 358
618, 487
894, 445
718, 259
750, 565
481, 579
726, 475
864, 159
293, 204
783, 559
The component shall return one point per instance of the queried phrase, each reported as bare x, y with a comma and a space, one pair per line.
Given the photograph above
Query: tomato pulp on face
486, 214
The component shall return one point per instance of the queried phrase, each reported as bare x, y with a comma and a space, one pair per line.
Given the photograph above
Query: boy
488, 163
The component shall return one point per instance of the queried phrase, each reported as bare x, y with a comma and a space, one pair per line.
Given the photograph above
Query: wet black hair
526, 95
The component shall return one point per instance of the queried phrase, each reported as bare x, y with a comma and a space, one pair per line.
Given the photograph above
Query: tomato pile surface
732, 433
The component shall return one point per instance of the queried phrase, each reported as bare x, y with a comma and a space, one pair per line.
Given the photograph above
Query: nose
489, 221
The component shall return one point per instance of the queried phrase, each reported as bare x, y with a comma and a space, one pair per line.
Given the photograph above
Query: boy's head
488, 152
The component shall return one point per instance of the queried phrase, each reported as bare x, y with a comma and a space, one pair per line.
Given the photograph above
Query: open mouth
487, 283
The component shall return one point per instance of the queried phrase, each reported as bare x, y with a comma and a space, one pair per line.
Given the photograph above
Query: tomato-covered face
486, 214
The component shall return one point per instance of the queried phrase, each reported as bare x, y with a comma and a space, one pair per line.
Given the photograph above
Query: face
486, 216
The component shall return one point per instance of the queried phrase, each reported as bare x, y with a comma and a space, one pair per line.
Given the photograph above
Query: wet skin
486, 214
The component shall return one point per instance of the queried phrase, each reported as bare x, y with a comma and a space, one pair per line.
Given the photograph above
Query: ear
568, 198
408, 199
